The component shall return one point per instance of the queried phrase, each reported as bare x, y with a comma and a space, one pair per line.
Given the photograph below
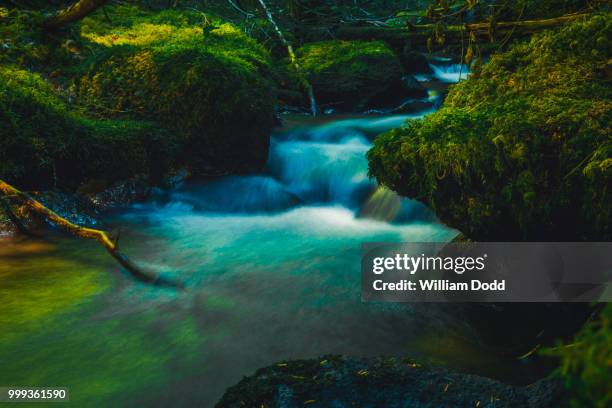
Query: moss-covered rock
207, 81
521, 151
354, 75
45, 143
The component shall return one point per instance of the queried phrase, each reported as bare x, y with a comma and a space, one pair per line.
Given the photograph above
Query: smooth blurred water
271, 262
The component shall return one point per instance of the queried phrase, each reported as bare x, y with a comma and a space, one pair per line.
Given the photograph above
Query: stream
271, 262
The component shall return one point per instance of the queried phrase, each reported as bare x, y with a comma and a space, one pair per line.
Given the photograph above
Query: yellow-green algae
49, 319
36, 286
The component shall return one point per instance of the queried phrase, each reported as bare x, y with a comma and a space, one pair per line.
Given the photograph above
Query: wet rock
414, 62
74, 208
333, 381
123, 193
86, 209
7, 229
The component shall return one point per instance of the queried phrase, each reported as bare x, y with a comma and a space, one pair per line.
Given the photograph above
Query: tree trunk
75, 12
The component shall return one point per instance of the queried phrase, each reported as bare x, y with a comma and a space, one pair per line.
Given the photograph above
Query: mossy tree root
89, 233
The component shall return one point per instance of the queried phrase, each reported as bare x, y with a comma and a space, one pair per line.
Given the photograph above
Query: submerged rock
333, 381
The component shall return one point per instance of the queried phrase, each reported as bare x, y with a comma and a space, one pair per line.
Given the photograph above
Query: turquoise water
271, 264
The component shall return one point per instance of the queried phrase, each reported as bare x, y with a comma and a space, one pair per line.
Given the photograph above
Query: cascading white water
452, 73
448, 73
316, 164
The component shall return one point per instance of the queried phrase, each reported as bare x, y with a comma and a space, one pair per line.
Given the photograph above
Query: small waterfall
337, 131
326, 163
445, 72
386, 205
451, 73
320, 163
320, 172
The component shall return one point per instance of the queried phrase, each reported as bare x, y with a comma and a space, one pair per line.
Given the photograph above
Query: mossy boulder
354, 75
523, 150
206, 80
333, 381
46, 143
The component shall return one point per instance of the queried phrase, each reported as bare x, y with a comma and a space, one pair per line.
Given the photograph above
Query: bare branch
82, 232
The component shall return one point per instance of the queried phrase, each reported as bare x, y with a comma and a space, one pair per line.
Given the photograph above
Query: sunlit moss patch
205, 79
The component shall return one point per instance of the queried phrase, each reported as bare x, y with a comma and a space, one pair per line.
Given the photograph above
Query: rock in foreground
380, 382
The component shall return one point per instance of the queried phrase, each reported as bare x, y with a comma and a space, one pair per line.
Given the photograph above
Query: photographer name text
441, 285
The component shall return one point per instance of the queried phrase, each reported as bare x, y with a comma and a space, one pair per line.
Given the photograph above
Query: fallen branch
102, 237
418, 34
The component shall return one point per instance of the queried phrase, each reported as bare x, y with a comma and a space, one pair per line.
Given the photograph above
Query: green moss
520, 151
202, 78
586, 363
23, 41
32, 298
350, 74
45, 142
208, 82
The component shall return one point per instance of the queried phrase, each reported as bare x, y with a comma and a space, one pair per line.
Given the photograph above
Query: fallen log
102, 237
75, 12
419, 34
